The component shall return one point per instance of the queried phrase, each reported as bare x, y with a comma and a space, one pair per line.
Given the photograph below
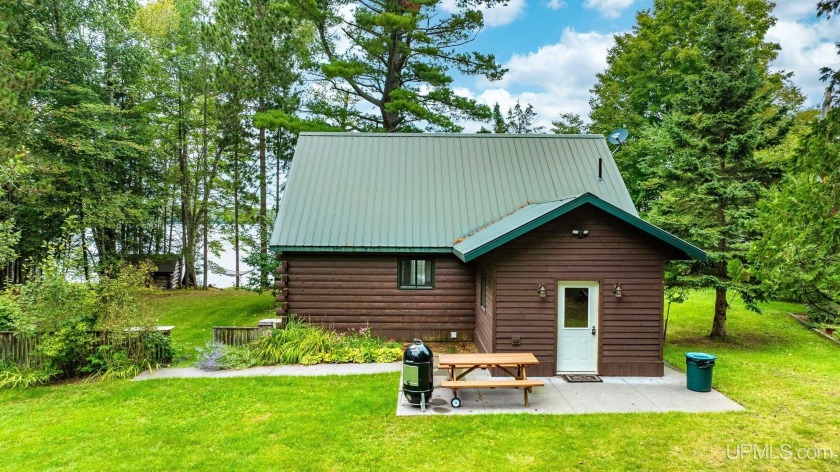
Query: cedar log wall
350, 291
630, 328
484, 323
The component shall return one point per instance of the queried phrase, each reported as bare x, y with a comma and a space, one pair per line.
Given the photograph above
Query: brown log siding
484, 321
630, 340
350, 291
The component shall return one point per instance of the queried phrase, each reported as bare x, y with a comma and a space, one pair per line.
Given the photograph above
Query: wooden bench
525, 384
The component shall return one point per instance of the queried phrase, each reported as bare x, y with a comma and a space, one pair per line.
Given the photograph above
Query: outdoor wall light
618, 291
580, 233
541, 291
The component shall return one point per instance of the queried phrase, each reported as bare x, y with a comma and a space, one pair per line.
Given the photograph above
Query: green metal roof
423, 192
534, 215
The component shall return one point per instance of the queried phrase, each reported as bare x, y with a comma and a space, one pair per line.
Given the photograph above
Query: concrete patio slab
558, 397
275, 371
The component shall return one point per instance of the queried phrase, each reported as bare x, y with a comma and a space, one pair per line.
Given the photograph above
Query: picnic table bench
517, 361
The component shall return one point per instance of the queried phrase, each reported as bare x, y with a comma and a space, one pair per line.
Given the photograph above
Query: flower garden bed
300, 343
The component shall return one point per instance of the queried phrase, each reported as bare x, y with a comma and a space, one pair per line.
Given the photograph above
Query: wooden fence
18, 349
235, 335
22, 350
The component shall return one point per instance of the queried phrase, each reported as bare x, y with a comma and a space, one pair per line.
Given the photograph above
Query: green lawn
786, 376
194, 313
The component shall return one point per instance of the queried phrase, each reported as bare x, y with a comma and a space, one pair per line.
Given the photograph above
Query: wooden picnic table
514, 364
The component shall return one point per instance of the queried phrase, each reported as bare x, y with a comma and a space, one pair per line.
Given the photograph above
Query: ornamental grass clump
302, 343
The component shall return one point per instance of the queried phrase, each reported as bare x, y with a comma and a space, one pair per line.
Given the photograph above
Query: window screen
416, 273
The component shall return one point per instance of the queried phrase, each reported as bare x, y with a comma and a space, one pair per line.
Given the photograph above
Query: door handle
593, 331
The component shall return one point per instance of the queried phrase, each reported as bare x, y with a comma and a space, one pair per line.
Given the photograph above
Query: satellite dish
618, 136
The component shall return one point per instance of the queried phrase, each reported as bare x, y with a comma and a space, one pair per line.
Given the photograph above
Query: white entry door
577, 321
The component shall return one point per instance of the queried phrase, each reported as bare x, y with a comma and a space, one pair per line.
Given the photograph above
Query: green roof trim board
442, 193
535, 215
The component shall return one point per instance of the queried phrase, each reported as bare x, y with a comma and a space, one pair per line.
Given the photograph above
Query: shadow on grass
740, 341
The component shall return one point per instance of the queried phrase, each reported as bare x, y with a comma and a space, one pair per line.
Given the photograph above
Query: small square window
416, 274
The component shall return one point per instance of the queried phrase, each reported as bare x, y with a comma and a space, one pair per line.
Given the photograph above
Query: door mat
574, 378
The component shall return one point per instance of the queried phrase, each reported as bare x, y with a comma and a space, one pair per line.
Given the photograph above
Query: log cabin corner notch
516, 242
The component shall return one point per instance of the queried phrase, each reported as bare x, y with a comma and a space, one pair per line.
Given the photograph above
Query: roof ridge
518, 209
570, 197
453, 135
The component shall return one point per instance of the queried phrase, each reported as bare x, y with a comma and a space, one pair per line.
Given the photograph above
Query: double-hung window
416, 274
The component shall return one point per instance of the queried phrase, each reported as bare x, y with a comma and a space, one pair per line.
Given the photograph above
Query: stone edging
821, 333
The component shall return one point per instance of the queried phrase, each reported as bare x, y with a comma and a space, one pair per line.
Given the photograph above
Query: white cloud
608, 8
806, 48
499, 15
556, 4
554, 79
795, 9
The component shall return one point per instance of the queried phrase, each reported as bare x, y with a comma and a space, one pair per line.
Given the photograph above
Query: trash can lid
699, 356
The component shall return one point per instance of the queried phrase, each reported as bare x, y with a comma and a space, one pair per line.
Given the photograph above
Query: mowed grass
786, 377
194, 313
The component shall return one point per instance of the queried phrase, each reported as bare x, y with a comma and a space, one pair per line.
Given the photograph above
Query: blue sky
554, 48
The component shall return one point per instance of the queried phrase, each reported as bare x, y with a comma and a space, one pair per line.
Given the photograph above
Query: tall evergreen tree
799, 252
87, 140
652, 67
521, 120
709, 141
500, 126
569, 123
19, 78
397, 56
260, 45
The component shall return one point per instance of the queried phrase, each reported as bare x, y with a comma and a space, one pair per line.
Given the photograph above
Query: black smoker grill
418, 380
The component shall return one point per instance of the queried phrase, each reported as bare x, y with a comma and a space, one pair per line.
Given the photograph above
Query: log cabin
515, 242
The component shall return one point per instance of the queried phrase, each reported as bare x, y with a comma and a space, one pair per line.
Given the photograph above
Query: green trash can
699, 367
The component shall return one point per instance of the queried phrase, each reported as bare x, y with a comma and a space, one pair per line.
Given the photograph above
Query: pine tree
397, 56
521, 120
799, 252
709, 142
569, 123
500, 126
260, 45
652, 67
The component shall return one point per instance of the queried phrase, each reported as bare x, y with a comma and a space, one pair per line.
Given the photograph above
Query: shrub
99, 329
216, 356
129, 356
9, 311
817, 316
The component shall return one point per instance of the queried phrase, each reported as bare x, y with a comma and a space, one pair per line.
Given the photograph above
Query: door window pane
576, 308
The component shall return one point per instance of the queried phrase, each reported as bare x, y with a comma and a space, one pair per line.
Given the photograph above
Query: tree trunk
719, 323
85, 262
263, 224
236, 206
187, 231
277, 158
204, 206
